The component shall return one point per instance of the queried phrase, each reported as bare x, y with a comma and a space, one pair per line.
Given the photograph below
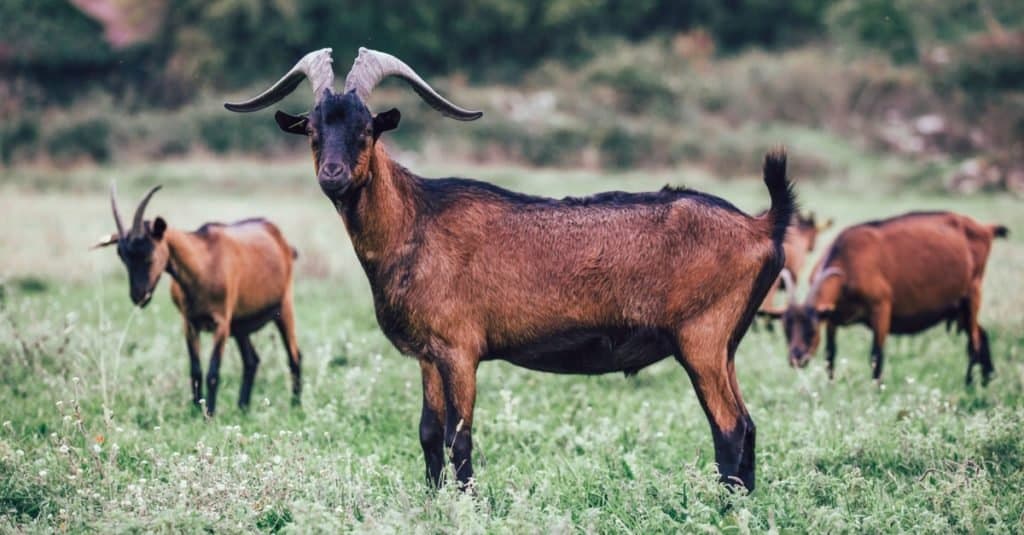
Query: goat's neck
379, 217
185, 259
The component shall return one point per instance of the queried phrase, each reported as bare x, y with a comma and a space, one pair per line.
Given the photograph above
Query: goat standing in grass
901, 275
463, 271
228, 279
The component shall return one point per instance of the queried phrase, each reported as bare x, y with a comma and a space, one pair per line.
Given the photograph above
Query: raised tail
1000, 231
781, 192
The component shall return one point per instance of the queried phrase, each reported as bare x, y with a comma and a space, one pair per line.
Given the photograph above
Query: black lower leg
296, 371
877, 359
458, 440
830, 351
196, 376
432, 441
213, 378
250, 362
734, 453
985, 356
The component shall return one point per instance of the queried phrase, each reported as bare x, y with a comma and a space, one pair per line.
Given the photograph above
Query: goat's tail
1000, 231
781, 191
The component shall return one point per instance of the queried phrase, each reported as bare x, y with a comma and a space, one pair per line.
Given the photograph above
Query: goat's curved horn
140, 211
371, 67
316, 66
117, 213
820, 279
789, 284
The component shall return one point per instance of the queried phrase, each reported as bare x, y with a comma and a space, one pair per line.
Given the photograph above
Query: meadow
99, 434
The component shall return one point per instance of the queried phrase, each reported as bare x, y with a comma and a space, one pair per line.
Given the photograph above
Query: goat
230, 279
800, 240
463, 271
900, 275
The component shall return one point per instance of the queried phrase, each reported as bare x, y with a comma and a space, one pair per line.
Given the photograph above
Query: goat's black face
342, 134
145, 258
801, 324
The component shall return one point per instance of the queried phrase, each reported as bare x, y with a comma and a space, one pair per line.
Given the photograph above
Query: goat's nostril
331, 170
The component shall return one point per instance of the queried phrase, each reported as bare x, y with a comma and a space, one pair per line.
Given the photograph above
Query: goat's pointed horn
789, 284
316, 66
117, 213
371, 67
141, 210
820, 279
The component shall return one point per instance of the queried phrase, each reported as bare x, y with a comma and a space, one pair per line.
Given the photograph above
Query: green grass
98, 433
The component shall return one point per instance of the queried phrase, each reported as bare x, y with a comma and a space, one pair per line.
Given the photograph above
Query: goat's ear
770, 314
293, 124
105, 241
386, 120
159, 227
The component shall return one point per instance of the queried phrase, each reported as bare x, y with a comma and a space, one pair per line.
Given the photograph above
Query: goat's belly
919, 321
590, 351
253, 321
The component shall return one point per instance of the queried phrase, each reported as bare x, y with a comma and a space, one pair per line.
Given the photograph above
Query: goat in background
229, 279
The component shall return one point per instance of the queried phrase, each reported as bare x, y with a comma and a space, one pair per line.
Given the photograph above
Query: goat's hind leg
712, 372
250, 362
977, 339
285, 322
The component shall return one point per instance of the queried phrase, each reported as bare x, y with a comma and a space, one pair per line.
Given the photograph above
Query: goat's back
253, 259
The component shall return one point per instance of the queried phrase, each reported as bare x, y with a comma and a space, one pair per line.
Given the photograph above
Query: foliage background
592, 83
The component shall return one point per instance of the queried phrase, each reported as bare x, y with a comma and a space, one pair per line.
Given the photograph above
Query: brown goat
900, 275
463, 271
228, 279
800, 240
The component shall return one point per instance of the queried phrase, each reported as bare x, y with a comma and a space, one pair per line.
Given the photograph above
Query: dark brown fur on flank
463, 271
900, 275
228, 279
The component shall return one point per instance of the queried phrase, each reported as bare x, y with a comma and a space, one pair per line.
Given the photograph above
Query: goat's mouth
334, 187
799, 362
141, 303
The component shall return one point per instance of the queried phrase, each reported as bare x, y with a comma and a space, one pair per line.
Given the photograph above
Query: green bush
20, 134
880, 24
87, 138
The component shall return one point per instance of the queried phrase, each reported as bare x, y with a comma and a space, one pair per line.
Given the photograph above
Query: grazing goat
463, 271
900, 275
800, 240
228, 279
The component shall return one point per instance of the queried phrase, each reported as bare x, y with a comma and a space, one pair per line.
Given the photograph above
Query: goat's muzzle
142, 299
334, 180
798, 358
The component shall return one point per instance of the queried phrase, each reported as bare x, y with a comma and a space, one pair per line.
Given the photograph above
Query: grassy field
99, 434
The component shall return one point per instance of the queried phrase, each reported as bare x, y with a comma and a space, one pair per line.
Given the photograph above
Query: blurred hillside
931, 92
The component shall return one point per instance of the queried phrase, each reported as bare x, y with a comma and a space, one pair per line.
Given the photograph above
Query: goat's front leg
830, 349
432, 422
220, 336
196, 369
458, 376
